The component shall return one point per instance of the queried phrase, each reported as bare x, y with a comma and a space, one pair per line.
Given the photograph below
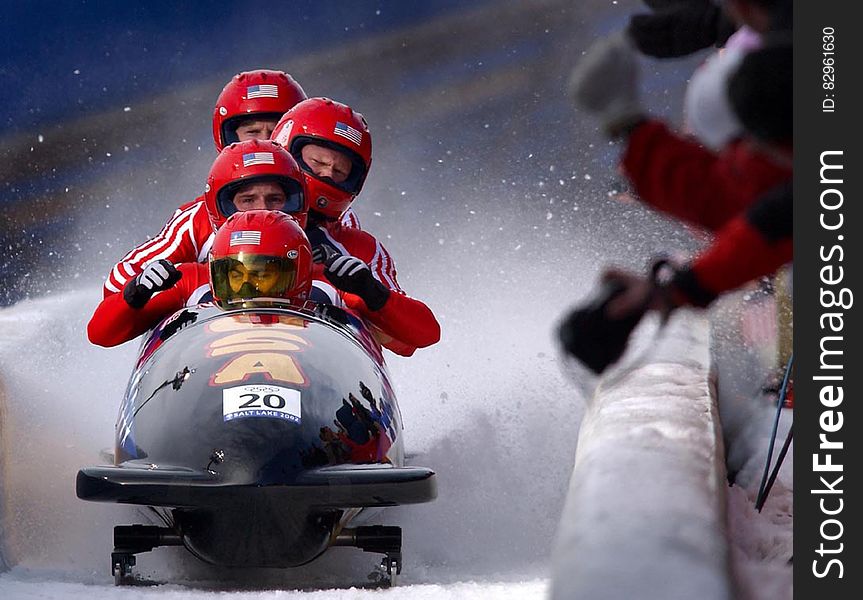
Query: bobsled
258, 435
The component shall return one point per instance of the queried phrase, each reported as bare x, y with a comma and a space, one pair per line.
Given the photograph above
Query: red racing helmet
253, 161
336, 126
262, 93
259, 255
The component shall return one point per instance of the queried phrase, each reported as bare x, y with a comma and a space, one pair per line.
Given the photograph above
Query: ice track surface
480, 418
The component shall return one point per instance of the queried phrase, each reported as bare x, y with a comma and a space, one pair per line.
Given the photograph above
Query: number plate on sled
268, 401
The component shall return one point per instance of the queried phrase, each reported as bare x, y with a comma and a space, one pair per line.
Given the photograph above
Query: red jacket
678, 176
754, 244
409, 322
403, 324
115, 322
185, 238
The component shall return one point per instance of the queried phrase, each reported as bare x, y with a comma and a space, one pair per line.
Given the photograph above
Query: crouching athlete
257, 255
248, 108
270, 179
332, 144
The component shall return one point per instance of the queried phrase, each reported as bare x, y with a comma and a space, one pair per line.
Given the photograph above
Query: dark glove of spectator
680, 29
157, 276
350, 274
593, 337
598, 332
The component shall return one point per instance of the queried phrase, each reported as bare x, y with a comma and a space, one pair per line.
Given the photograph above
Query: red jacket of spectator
678, 176
754, 244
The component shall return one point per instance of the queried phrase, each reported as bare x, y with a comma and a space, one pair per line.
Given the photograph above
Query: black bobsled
258, 434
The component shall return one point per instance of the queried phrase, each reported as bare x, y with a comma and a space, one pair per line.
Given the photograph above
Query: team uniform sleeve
350, 219
182, 240
408, 321
678, 176
754, 244
115, 322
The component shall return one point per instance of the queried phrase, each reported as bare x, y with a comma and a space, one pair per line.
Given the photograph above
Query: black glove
679, 29
350, 274
588, 334
324, 252
157, 276
597, 332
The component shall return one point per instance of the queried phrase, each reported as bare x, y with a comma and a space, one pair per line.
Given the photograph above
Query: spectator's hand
678, 29
157, 276
641, 292
350, 274
597, 332
605, 83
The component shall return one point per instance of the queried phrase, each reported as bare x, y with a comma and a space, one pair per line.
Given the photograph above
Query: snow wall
645, 512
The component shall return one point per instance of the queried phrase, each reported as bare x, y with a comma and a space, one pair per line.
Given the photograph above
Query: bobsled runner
258, 435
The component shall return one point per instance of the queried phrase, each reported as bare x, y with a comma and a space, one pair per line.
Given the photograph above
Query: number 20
273, 401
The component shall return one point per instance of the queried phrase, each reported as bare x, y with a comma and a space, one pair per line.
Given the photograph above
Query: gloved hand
598, 332
157, 276
324, 252
350, 274
679, 29
605, 83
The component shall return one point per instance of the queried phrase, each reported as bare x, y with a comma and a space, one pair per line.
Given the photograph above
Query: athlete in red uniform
332, 144
248, 108
259, 254
262, 175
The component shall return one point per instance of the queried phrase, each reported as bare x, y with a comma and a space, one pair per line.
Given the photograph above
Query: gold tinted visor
245, 276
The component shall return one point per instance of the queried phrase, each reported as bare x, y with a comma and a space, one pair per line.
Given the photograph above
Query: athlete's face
258, 279
259, 129
260, 196
326, 162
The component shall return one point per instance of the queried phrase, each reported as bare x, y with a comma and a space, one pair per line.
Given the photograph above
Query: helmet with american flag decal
254, 161
259, 254
331, 125
260, 94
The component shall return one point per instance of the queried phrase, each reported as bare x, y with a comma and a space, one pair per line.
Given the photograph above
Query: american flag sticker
346, 131
264, 90
239, 238
258, 158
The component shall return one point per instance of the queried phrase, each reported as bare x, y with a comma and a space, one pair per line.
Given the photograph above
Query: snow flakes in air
40, 138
